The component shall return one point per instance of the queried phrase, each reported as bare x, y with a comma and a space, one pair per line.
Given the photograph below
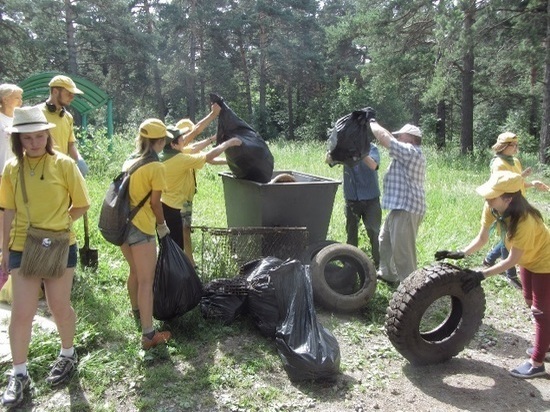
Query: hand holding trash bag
252, 159
176, 289
162, 229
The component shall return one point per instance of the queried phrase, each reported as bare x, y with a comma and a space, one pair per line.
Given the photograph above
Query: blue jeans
15, 258
500, 251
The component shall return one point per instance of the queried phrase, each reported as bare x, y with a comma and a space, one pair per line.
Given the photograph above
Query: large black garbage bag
176, 289
349, 140
307, 349
252, 160
224, 300
262, 301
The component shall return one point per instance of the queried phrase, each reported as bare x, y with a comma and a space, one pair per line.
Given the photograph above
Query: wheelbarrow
88, 257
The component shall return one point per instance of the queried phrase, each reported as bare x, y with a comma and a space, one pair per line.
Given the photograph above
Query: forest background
464, 70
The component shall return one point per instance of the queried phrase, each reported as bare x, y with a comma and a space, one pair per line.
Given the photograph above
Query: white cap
409, 129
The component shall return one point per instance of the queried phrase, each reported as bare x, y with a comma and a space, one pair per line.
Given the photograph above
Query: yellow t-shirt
63, 132
532, 237
49, 198
180, 179
148, 177
499, 165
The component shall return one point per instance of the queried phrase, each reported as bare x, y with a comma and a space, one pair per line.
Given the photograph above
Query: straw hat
503, 140
29, 120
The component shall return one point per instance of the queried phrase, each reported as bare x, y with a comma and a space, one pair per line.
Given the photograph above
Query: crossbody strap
24, 192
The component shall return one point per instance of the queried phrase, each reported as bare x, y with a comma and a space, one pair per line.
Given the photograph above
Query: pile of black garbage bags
276, 294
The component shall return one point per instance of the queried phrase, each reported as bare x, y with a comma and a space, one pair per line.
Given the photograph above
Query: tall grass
185, 374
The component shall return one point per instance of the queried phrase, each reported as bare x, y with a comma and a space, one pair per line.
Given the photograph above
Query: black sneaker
17, 384
514, 281
62, 369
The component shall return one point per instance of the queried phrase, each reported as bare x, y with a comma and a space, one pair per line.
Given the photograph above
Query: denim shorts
15, 258
187, 214
137, 237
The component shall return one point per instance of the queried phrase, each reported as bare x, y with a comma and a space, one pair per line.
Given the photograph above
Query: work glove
162, 230
471, 280
442, 254
82, 166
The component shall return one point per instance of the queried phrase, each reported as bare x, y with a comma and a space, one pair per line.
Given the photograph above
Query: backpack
115, 213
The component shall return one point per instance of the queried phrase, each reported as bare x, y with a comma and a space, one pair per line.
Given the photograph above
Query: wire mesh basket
222, 251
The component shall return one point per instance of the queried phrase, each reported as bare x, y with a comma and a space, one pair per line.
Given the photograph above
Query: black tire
314, 248
422, 291
343, 278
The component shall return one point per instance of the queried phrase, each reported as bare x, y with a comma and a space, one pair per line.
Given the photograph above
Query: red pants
536, 291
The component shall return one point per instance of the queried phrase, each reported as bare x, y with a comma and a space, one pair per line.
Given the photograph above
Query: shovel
88, 257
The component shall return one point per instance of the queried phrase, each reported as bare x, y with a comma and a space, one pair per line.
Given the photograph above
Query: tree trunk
467, 129
246, 71
71, 42
544, 156
191, 80
159, 100
290, 112
440, 124
262, 126
533, 110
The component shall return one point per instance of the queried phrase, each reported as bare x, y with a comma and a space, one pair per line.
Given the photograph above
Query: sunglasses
52, 109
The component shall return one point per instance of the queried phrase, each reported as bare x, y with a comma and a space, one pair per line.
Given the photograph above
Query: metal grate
222, 251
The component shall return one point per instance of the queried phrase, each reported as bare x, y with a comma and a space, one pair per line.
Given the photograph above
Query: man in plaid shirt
404, 196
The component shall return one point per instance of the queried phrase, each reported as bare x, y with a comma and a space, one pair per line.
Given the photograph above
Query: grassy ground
211, 367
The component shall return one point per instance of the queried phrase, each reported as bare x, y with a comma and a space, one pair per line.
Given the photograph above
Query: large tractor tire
343, 278
430, 319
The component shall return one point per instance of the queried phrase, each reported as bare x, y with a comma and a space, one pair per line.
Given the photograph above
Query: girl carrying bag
45, 252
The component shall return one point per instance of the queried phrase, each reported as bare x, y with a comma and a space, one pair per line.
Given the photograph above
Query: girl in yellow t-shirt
139, 248
506, 149
57, 196
528, 240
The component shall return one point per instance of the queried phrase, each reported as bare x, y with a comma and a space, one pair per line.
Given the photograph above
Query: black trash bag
349, 140
262, 302
176, 289
307, 349
252, 160
224, 300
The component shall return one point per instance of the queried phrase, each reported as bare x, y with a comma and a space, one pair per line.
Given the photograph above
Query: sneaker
528, 371
157, 339
17, 384
486, 263
514, 282
530, 351
62, 369
391, 283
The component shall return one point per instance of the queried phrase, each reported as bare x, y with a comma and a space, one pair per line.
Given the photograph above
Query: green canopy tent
93, 97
